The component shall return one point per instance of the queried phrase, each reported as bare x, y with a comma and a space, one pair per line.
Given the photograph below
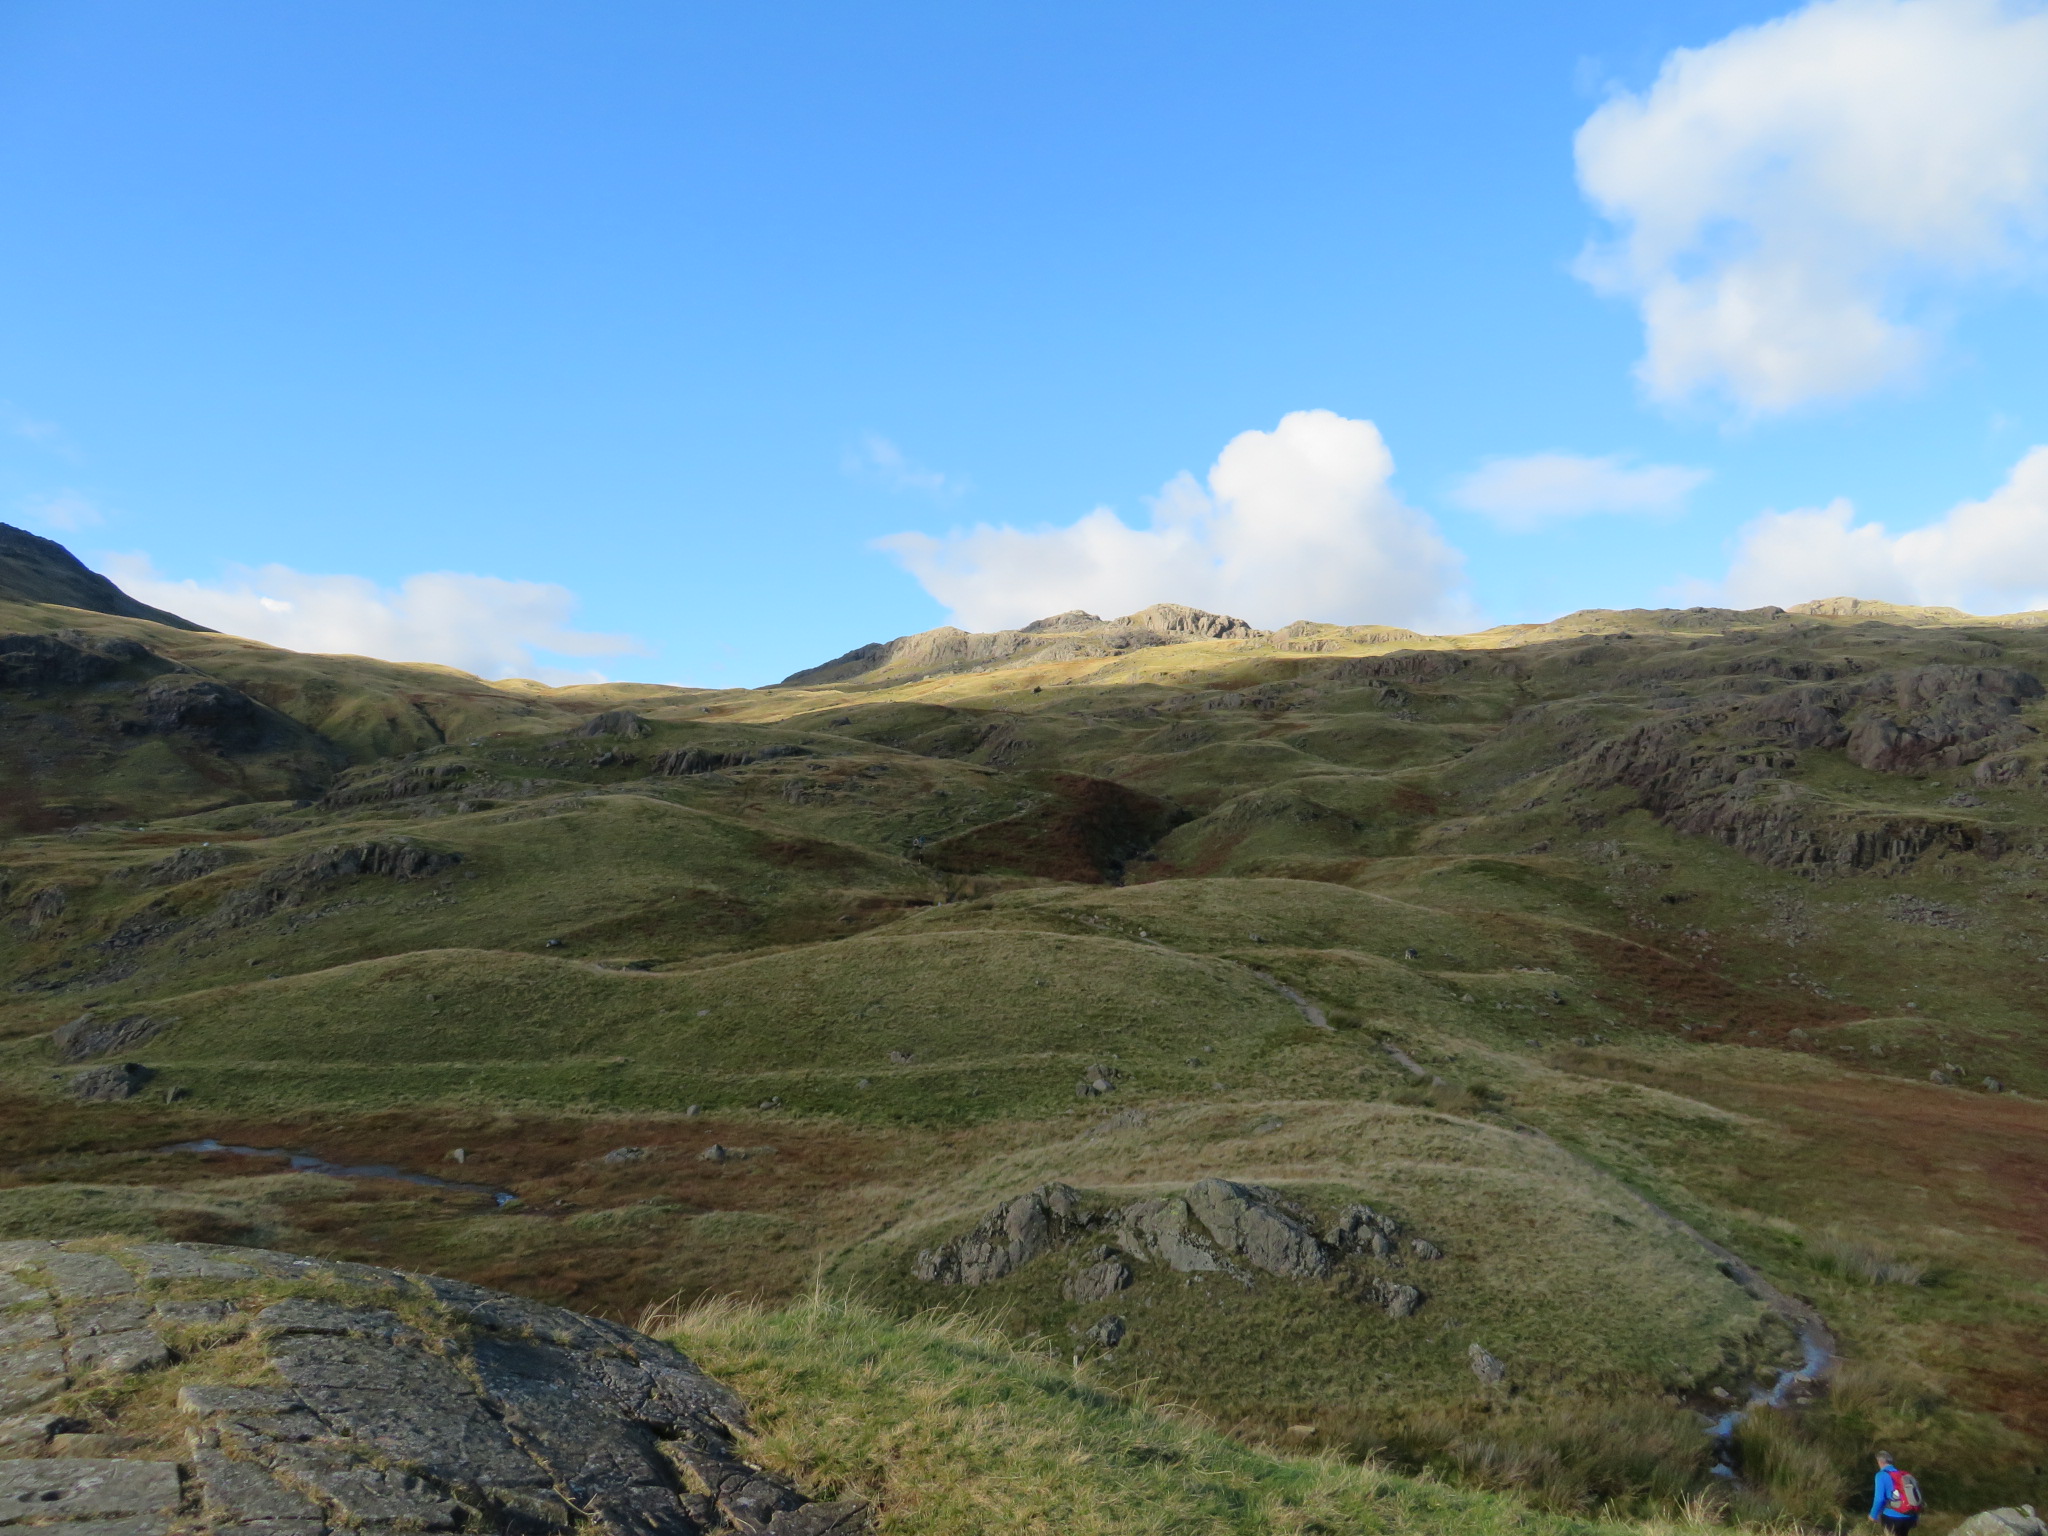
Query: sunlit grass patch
949, 1429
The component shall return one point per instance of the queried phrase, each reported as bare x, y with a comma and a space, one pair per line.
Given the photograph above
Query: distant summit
1070, 636
38, 570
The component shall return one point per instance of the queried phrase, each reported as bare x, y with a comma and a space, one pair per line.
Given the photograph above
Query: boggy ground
1693, 905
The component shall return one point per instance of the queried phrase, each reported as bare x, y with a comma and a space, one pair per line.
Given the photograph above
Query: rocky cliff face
159, 1385
1722, 768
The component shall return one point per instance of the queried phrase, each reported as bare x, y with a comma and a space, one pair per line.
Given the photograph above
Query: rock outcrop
349, 1398
1217, 1227
1071, 636
110, 1083
1944, 717
294, 881
1256, 1225
1721, 768
90, 1035
616, 722
1010, 1236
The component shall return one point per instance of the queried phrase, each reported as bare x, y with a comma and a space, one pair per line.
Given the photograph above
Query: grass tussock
1866, 1264
1573, 1456
948, 1429
1789, 1473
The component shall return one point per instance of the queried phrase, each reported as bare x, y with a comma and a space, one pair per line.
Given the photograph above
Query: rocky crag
1216, 1227
1072, 636
156, 1387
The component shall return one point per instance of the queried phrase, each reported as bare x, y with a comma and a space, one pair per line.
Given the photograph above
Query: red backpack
1904, 1499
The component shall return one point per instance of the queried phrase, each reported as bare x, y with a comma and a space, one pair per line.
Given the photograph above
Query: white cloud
879, 459
1524, 493
1791, 201
1988, 556
481, 624
66, 511
1299, 522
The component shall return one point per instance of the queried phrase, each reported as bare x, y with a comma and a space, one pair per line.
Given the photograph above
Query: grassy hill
1592, 953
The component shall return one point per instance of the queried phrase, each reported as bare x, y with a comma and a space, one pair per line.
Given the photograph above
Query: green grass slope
959, 1433
1547, 1264
1735, 910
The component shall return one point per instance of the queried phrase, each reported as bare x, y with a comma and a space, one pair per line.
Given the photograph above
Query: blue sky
611, 339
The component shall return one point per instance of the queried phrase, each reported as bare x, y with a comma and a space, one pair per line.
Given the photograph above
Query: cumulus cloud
1527, 492
878, 459
1790, 202
1988, 556
1299, 522
481, 624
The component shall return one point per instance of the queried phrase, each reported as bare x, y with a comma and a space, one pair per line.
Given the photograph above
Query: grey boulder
1486, 1367
1098, 1282
2004, 1522
110, 1083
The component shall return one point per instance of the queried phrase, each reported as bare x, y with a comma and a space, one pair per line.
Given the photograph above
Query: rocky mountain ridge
1078, 636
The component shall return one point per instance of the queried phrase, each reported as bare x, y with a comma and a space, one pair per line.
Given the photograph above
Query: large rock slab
69, 1489
1249, 1221
374, 1400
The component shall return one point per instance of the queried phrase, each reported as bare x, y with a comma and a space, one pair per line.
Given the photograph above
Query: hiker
1895, 1503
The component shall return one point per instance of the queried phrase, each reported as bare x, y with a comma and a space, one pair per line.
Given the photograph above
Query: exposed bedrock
372, 1400
1719, 768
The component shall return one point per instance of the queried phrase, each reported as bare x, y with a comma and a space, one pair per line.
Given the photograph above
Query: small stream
305, 1162
1818, 1347
1816, 1339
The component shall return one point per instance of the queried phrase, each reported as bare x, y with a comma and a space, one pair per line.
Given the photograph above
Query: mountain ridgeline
1504, 1055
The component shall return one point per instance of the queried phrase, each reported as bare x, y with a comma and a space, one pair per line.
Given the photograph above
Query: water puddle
305, 1162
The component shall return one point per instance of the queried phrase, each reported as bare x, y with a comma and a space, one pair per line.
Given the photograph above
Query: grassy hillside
960, 1431
1506, 935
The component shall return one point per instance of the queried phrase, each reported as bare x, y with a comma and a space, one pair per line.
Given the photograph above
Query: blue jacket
1884, 1492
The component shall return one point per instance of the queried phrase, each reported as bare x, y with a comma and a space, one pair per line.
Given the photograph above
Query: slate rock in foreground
353, 1398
